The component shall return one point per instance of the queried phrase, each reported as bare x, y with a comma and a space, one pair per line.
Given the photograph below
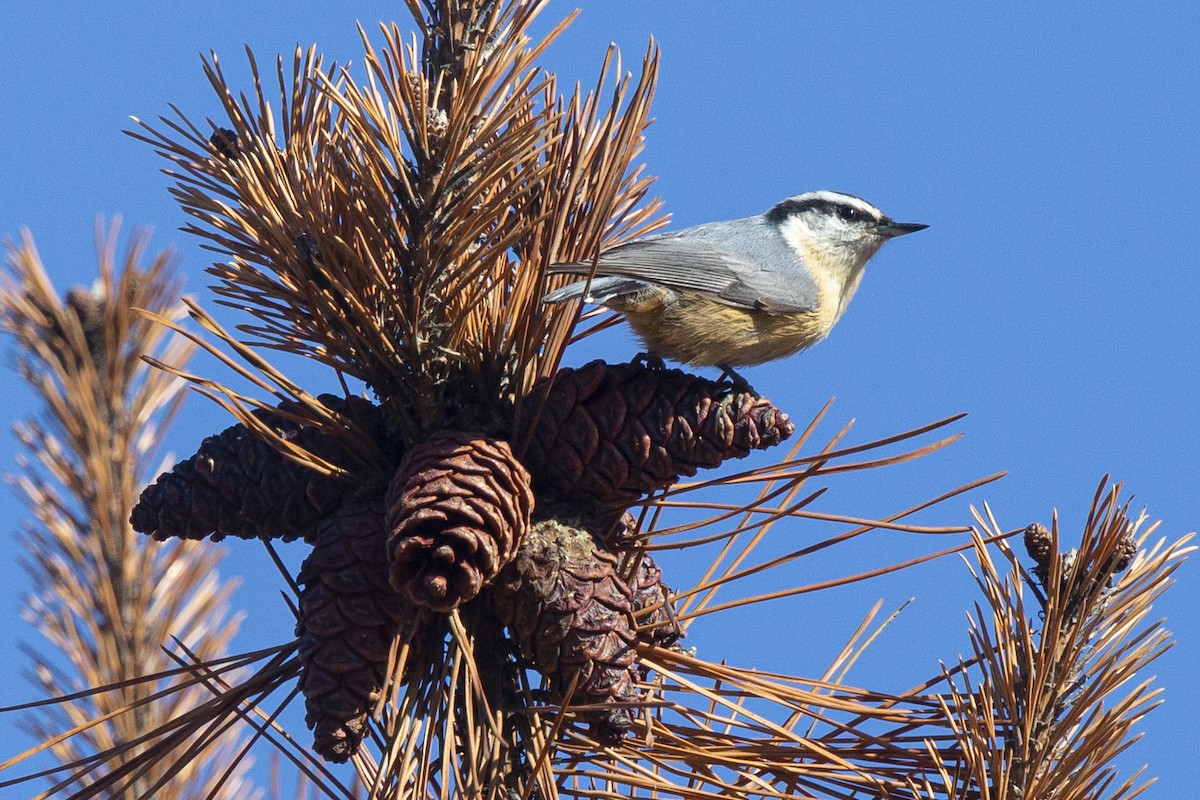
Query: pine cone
610, 434
571, 617
1039, 544
226, 143
457, 509
91, 309
1124, 553
349, 615
238, 485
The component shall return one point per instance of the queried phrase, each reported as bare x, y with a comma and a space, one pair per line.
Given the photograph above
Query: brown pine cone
571, 617
238, 485
226, 143
457, 509
1124, 553
1039, 544
610, 434
349, 615
91, 309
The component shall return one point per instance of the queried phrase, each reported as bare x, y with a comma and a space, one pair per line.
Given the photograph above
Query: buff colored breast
698, 331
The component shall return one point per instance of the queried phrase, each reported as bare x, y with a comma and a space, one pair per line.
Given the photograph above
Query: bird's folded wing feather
699, 266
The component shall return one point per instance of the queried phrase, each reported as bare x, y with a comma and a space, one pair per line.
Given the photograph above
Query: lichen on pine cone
348, 617
571, 617
457, 509
609, 434
236, 484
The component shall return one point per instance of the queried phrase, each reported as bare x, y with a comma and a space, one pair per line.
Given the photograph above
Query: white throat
836, 264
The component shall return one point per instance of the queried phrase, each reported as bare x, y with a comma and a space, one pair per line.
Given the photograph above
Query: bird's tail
600, 291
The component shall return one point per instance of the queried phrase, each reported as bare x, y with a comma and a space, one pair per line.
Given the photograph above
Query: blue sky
1054, 151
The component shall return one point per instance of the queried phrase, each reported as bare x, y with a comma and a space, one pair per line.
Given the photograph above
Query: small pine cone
571, 617
457, 509
610, 434
1124, 553
349, 615
1039, 544
238, 485
91, 309
653, 606
226, 143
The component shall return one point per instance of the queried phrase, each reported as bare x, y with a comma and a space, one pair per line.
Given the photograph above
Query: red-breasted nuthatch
742, 291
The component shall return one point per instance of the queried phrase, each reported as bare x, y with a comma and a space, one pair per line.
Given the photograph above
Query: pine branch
398, 230
104, 600
1044, 707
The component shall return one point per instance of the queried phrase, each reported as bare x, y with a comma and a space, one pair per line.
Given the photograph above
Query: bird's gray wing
691, 262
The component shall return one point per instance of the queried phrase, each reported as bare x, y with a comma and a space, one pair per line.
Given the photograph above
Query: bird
740, 292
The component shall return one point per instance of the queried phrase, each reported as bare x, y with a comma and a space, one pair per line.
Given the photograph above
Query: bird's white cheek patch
828, 271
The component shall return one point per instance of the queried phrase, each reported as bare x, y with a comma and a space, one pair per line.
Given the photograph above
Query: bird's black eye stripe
791, 207
788, 208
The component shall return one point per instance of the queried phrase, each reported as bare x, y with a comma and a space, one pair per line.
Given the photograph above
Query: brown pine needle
302, 407
270, 730
781, 470
712, 580
812, 587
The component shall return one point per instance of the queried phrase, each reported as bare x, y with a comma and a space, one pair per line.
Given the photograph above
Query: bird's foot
650, 361
740, 384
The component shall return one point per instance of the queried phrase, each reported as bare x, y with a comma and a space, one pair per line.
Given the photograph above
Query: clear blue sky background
1053, 151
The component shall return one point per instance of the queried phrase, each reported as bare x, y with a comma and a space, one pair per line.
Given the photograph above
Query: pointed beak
892, 229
